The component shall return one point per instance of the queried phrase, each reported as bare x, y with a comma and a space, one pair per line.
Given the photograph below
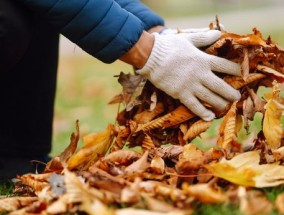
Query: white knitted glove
198, 36
166, 30
184, 72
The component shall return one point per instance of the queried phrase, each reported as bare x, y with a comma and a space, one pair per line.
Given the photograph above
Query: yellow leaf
95, 145
244, 169
272, 127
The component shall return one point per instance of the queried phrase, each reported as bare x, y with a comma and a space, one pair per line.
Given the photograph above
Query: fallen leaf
95, 145
272, 124
244, 169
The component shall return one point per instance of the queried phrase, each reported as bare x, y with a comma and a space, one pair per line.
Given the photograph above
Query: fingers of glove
211, 98
219, 64
201, 39
220, 87
183, 30
192, 30
193, 104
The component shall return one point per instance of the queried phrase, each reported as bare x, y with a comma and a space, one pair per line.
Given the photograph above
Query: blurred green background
85, 85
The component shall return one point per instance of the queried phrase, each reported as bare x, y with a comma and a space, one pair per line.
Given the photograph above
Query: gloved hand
197, 36
166, 30
184, 72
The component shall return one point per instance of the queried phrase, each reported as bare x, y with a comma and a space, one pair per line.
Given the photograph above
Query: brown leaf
228, 129
246, 40
132, 87
267, 70
58, 163
196, 129
245, 64
147, 143
148, 115
36, 181
238, 82
190, 160
140, 165
175, 117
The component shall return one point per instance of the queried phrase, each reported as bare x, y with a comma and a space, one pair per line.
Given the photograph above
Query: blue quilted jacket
106, 29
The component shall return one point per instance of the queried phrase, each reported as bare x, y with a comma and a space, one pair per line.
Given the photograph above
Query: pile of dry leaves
145, 163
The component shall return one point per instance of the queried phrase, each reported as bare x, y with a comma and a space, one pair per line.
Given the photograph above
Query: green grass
6, 187
216, 209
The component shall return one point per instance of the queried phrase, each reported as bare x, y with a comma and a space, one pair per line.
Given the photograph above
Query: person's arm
138, 55
173, 63
100, 27
149, 18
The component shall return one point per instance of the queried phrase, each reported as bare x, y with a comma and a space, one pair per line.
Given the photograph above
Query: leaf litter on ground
145, 163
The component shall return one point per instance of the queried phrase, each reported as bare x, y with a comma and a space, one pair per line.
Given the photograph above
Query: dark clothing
115, 29
29, 32
28, 65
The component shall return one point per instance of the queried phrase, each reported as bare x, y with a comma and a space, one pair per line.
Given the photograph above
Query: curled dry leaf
95, 145
229, 128
196, 129
140, 165
58, 163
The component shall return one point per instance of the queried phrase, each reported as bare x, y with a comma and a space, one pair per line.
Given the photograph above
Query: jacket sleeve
137, 8
100, 27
